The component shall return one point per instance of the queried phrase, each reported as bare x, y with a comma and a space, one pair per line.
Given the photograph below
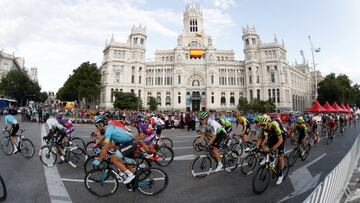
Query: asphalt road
26, 180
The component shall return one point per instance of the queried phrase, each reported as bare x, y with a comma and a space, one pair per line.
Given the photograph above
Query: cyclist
145, 137
255, 127
242, 120
123, 139
67, 123
275, 140
225, 123
13, 125
217, 133
314, 129
55, 129
157, 123
342, 122
111, 121
302, 132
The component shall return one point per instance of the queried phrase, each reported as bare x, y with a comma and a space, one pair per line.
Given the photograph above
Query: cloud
56, 36
216, 22
223, 4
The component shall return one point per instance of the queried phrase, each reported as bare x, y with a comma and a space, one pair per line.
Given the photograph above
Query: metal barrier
335, 183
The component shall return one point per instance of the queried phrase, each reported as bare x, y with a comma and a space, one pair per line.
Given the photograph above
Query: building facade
197, 76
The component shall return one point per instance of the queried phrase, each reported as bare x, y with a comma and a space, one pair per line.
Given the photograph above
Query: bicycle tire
307, 149
143, 164
231, 161
250, 163
48, 155
77, 141
149, 182
197, 144
238, 147
75, 158
26, 145
165, 141
6, 145
263, 175
3, 190
90, 151
165, 159
109, 177
294, 154
204, 161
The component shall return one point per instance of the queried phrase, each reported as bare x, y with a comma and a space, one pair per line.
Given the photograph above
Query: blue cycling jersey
118, 135
10, 120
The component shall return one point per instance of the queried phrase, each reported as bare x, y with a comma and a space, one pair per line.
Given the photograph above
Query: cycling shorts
159, 128
127, 150
219, 138
14, 129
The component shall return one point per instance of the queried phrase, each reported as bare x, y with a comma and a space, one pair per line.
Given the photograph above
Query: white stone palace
196, 76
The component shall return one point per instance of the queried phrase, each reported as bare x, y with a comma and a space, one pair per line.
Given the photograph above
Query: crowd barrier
335, 183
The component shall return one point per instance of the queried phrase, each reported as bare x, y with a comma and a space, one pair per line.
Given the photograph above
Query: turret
250, 37
138, 36
193, 19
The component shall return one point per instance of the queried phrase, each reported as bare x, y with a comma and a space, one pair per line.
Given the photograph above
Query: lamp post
314, 65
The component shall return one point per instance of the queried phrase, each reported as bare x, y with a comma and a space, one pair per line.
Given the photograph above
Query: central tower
193, 19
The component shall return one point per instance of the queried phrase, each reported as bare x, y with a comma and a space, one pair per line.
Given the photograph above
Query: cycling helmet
203, 115
99, 119
300, 120
265, 119
107, 114
257, 118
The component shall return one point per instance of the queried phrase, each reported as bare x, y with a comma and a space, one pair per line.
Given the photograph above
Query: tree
17, 84
256, 106
83, 84
152, 103
243, 105
43, 96
127, 100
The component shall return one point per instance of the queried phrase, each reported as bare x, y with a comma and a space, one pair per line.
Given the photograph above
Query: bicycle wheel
3, 191
6, 145
47, 156
197, 144
75, 158
164, 156
143, 164
238, 147
307, 152
90, 151
293, 157
231, 161
248, 164
155, 182
27, 148
261, 180
165, 141
77, 141
106, 187
200, 166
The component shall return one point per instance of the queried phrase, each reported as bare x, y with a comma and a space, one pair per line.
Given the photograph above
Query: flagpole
315, 75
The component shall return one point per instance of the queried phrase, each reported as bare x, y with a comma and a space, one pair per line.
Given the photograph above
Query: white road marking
184, 157
182, 147
183, 141
56, 187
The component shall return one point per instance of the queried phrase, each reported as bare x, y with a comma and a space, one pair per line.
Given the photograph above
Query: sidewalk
354, 187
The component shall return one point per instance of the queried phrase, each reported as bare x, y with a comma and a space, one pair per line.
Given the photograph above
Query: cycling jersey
69, 128
116, 134
214, 127
118, 124
54, 124
225, 122
244, 121
10, 120
156, 121
274, 133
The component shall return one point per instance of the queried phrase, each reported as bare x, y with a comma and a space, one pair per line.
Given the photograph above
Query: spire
303, 56
275, 39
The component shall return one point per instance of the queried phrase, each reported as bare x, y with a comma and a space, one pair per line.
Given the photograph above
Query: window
158, 98
257, 79
195, 83
112, 95
133, 79
275, 67
278, 95
250, 79
167, 99
249, 68
212, 79
251, 95
258, 94
193, 25
179, 98
139, 93
272, 77
139, 79
253, 41
132, 91
241, 95
232, 98
247, 41
149, 95
133, 68
179, 79
269, 95
273, 94
223, 99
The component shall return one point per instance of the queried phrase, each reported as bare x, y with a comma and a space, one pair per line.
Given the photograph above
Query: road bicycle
251, 161
201, 166
3, 190
74, 155
161, 155
161, 140
104, 181
262, 176
24, 145
297, 153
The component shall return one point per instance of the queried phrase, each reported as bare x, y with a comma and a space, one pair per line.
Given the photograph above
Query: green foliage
17, 84
340, 89
84, 83
152, 104
127, 100
256, 106
43, 96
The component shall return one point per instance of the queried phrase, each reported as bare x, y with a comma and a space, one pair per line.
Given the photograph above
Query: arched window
112, 95
232, 98
195, 83
223, 99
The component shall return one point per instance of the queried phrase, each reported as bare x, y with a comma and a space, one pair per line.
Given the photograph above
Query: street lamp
314, 65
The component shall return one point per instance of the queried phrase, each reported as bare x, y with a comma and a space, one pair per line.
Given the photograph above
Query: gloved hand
96, 163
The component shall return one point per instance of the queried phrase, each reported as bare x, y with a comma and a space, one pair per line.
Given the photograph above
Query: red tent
337, 107
348, 107
343, 107
328, 108
316, 108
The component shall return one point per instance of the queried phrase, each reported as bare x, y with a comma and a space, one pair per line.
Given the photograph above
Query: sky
57, 36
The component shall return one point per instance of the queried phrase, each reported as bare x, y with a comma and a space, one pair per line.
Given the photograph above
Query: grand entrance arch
196, 94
